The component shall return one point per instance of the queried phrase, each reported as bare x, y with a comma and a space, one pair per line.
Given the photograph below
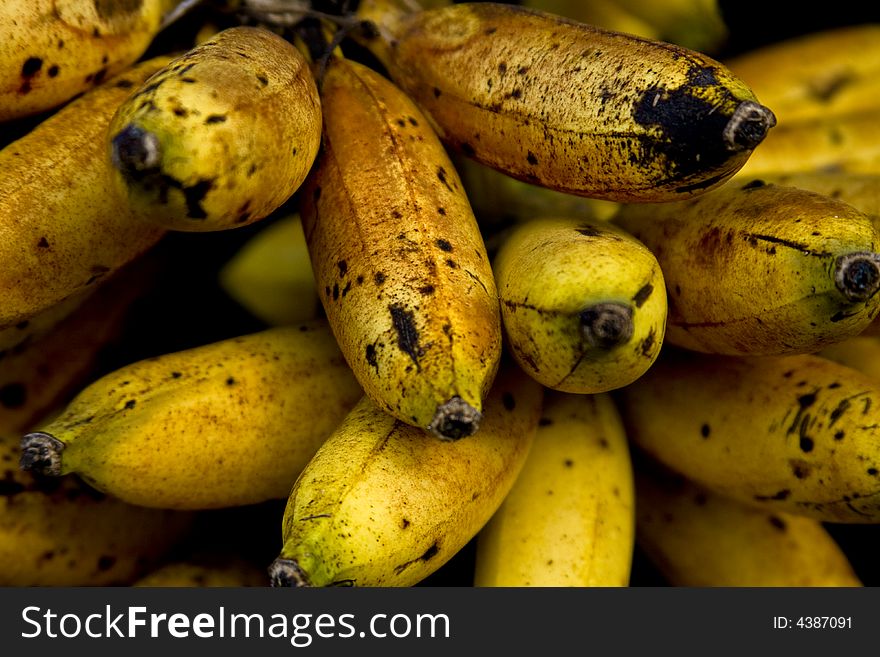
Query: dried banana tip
286, 572
41, 453
748, 126
455, 419
135, 150
857, 275
606, 325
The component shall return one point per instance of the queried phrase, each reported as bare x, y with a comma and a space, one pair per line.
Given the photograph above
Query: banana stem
748, 126
455, 419
607, 325
135, 150
857, 275
41, 453
287, 573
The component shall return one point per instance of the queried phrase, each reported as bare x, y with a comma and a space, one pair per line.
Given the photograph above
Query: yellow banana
38, 376
383, 503
64, 533
567, 105
400, 264
61, 227
271, 274
210, 573
761, 269
792, 434
225, 424
698, 538
860, 190
53, 50
221, 136
583, 303
569, 519
696, 24
820, 74
850, 142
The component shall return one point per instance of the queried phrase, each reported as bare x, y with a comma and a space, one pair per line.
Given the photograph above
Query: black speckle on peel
705, 430
532, 158
43, 243
343, 267
336, 291
430, 553
262, 79
508, 401
839, 435
53, 71
443, 245
31, 67
176, 375
452, 264
545, 422
130, 404
230, 381
777, 522
642, 295
588, 231
379, 278
646, 346
105, 563
779, 496
124, 84
437, 92
404, 523
404, 325
215, 118
194, 194
371, 357
805, 401
426, 290
13, 395
753, 184
872, 472
441, 176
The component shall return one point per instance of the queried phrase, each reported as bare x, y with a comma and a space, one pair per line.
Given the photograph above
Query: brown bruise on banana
220, 137
631, 120
65, 48
415, 263
816, 257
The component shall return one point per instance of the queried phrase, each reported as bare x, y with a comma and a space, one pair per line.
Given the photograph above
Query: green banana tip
41, 454
857, 275
287, 573
748, 126
135, 150
607, 325
455, 419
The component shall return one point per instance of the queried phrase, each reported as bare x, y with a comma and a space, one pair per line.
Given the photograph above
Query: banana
583, 303
861, 352
61, 227
607, 14
820, 74
850, 142
858, 189
698, 539
64, 533
53, 50
790, 434
208, 573
225, 424
271, 274
17, 336
569, 519
400, 264
567, 105
695, 24
761, 269
39, 376
221, 136
383, 503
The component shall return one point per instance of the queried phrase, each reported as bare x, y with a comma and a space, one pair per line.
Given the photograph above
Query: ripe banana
761, 269
698, 538
51, 50
400, 264
569, 519
791, 434
221, 136
64, 533
271, 274
850, 142
696, 24
568, 105
61, 227
209, 573
583, 303
221, 425
816, 75
384, 503
38, 376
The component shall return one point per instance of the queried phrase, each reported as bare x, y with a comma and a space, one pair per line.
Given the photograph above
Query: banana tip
607, 325
135, 150
455, 419
857, 275
287, 573
748, 126
41, 453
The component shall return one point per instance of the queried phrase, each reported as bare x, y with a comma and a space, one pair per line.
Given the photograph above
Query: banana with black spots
583, 303
399, 260
568, 105
755, 268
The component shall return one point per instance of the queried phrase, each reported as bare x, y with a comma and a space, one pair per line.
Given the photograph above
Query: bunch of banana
583, 303
38, 376
51, 51
400, 264
271, 275
698, 538
791, 434
569, 519
64, 533
221, 136
63, 229
220, 425
761, 269
568, 105
384, 503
